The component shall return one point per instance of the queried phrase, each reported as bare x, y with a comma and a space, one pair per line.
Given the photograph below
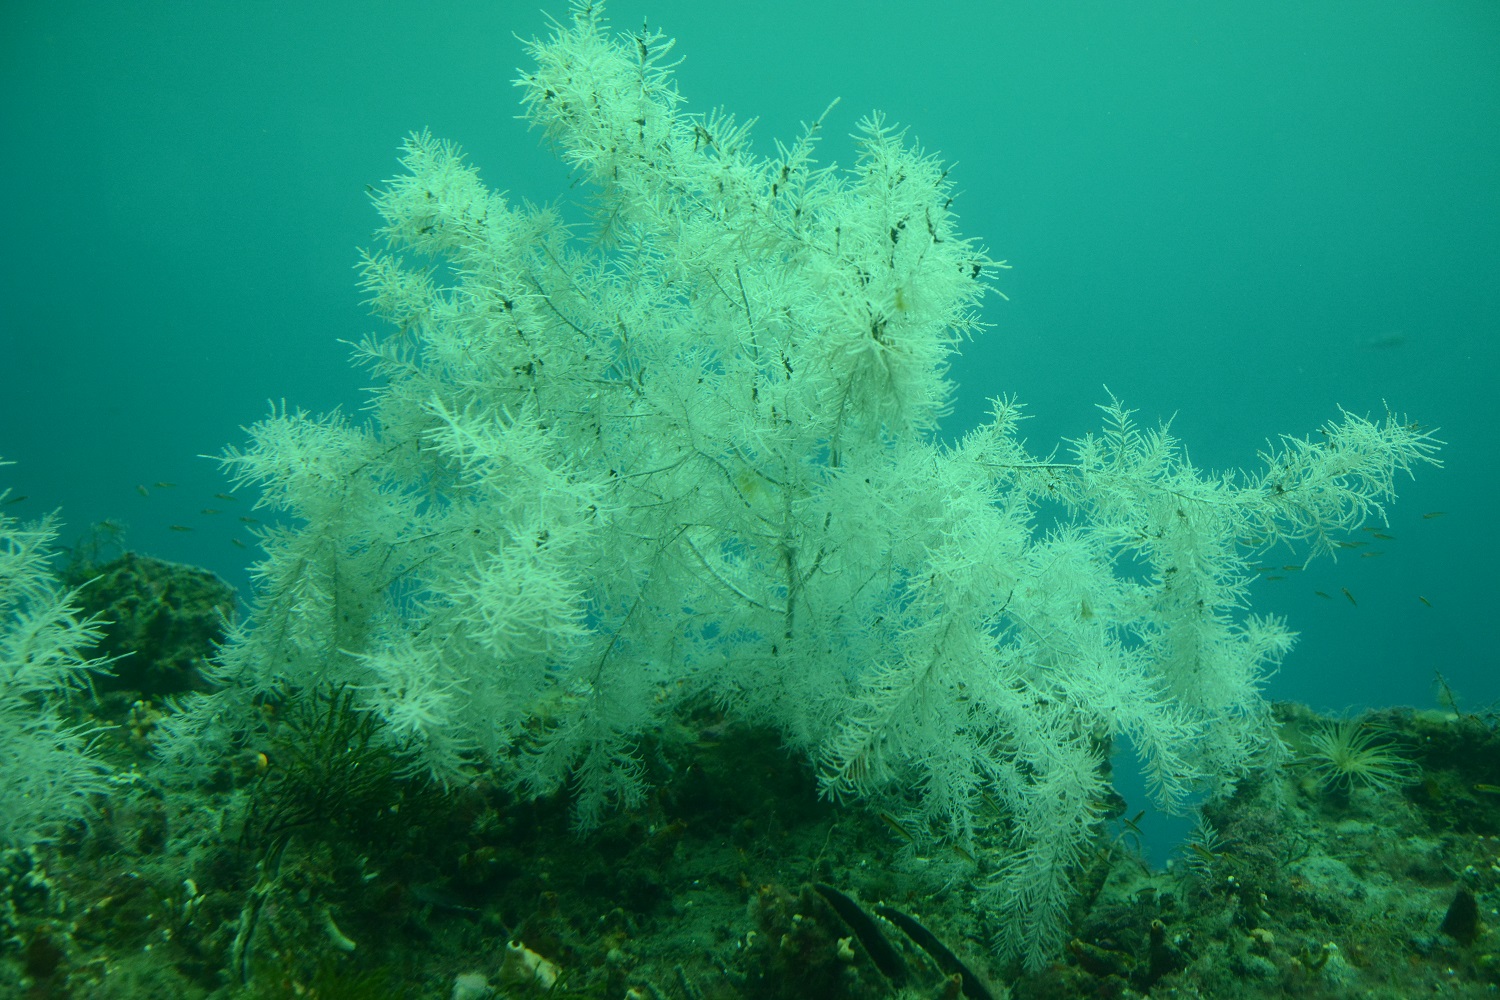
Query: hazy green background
1240, 213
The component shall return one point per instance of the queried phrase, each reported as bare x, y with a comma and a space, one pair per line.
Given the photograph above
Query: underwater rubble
315, 865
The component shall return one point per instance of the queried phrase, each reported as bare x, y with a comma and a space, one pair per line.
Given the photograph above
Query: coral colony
688, 455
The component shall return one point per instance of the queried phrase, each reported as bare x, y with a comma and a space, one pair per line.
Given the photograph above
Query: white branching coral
48, 774
693, 456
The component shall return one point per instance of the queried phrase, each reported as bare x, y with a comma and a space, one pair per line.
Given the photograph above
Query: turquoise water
1243, 215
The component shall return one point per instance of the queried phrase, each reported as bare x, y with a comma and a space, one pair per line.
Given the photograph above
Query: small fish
959, 850
237, 543
1424, 600
210, 510
249, 520
166, 486
225, 496
1371, 554
1432, 514
178, 527
1322, 595
11, 500
142, 490
1203, 853
895, 824
1487, 789
1291, 569
1350, 596
1350, 545
1276, 576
